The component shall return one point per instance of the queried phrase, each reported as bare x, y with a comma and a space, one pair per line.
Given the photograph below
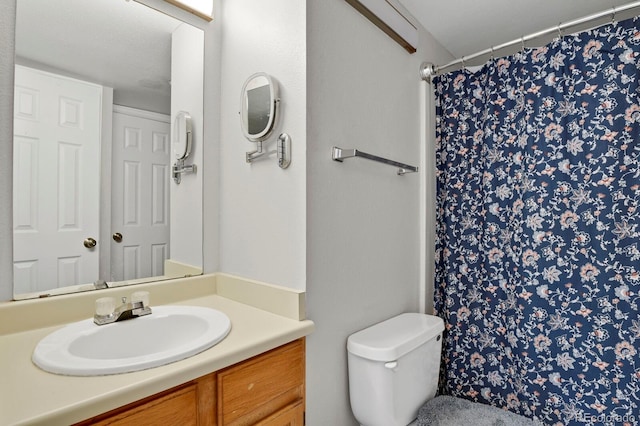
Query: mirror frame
273, 108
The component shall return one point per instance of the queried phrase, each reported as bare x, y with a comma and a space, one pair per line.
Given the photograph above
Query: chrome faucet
107, 312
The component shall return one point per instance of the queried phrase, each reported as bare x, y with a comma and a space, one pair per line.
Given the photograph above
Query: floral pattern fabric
538, 229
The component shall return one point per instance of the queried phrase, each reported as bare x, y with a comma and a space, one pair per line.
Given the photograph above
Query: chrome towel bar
339, 154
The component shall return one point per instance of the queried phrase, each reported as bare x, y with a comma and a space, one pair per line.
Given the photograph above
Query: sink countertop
263, 317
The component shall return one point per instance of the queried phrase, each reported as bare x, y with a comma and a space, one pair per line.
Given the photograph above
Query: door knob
117, 237
90, 243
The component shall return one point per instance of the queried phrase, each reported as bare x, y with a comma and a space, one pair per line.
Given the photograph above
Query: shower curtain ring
560, 35
463, 65
522, 42
492, 57
613, 15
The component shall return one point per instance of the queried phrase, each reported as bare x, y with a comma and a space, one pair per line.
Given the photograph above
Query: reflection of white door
140, 193
56, 180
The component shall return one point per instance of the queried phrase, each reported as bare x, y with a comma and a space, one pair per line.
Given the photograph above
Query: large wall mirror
92, 146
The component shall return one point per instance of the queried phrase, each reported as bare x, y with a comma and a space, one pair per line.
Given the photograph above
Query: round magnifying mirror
182, 135
259, 102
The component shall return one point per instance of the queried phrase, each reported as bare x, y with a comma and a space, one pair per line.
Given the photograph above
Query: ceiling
127, 46
465, 27
116, 43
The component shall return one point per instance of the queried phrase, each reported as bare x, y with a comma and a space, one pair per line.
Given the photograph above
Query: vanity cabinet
266, 390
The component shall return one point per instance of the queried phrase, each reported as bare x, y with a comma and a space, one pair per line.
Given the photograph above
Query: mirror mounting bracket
179, 168
283, 151
258, 153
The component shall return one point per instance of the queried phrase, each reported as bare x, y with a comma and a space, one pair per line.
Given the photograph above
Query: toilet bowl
393, 368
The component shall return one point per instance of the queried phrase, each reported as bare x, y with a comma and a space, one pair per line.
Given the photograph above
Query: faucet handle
141, 296
105, 306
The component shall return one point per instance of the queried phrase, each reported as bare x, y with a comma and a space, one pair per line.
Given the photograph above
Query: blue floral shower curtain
538, 239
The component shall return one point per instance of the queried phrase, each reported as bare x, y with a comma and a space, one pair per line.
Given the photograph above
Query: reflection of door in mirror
56, 187
140, 185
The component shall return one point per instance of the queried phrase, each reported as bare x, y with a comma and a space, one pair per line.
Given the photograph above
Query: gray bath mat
450, 411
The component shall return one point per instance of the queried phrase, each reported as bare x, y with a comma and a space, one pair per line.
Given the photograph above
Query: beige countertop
263, 317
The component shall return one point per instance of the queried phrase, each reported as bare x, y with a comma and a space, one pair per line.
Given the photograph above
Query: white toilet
393, 368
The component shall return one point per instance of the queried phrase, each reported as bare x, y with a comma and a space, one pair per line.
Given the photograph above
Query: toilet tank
393, 368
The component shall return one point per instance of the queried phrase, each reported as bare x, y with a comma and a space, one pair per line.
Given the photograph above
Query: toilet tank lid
393, 338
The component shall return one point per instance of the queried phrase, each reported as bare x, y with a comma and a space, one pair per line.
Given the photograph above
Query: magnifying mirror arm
258, 153
179, 168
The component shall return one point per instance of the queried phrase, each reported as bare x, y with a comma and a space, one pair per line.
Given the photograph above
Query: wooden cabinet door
255, 389
177, 408
192, 404
292, 415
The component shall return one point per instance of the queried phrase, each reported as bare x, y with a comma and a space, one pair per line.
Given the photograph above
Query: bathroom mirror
259, 105
107, 203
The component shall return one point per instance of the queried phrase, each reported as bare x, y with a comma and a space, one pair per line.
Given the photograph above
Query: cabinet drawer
292, 415
255, 389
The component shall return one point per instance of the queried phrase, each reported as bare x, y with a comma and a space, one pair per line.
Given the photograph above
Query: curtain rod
428, 70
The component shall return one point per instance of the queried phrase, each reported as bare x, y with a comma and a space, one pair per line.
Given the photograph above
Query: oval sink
169, 334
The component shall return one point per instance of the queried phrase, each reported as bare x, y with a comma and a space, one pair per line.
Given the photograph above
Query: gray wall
363, 248
7, 39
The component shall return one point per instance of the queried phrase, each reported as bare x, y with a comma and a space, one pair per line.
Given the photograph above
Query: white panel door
56, 180
140, 193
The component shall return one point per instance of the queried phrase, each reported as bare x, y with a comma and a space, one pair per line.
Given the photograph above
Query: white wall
187, 91
363, 252
262, 217
7, 48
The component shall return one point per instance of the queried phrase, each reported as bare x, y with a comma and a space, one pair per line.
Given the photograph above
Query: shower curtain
538, 229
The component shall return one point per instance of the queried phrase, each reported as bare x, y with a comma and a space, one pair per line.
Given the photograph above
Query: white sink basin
169, 334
